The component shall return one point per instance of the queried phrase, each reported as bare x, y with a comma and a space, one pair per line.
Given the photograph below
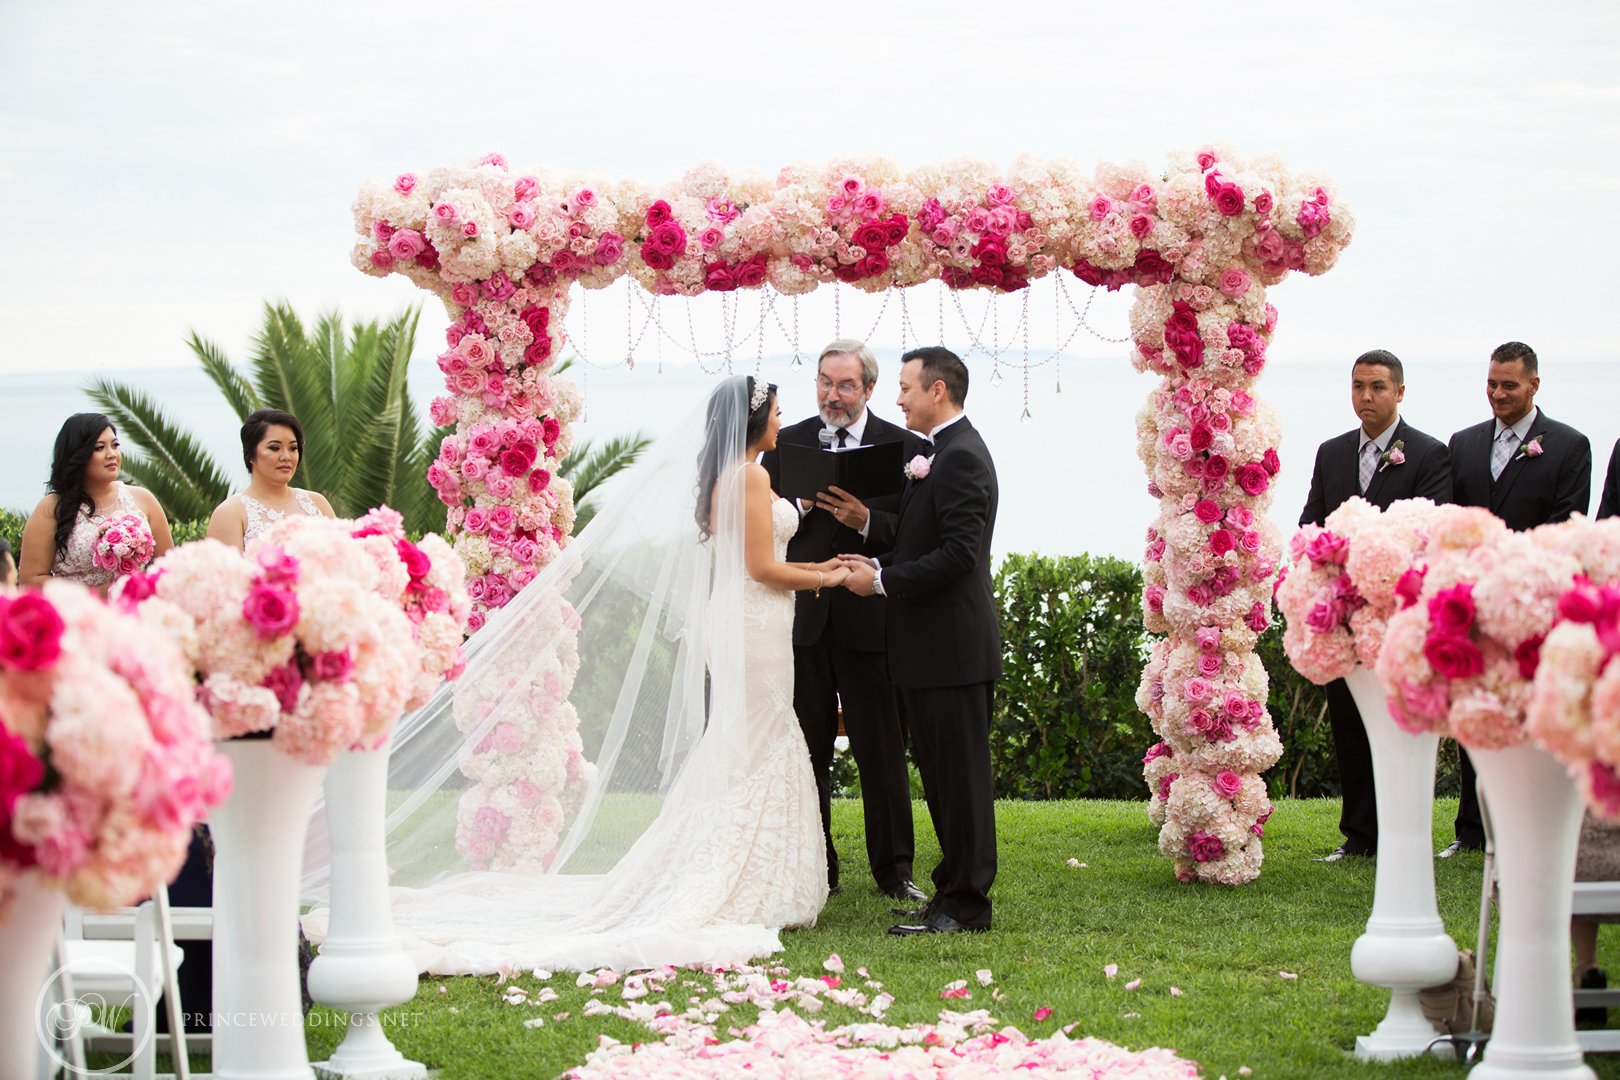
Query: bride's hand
825, 567
835, 576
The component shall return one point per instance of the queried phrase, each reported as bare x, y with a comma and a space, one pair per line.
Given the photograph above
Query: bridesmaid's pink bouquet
124, 544
106, 759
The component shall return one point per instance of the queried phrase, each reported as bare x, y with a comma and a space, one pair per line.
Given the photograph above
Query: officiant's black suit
945, 655
1609, 504
1531, 491
838, 644
1425, 474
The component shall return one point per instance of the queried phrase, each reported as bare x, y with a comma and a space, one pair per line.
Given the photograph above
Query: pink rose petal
1110, 970
1174, 992
1133, 984
1043, 1013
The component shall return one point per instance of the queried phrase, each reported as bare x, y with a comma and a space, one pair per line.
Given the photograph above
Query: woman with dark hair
272, 447
61, 535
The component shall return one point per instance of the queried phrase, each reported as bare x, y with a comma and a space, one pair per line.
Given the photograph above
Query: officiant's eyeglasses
845, 389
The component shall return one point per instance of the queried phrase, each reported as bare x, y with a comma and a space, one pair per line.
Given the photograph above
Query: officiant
838, 637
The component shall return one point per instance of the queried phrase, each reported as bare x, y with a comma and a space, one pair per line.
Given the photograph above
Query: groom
944, 638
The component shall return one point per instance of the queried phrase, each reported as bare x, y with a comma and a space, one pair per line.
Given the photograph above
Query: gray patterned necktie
1502, 453
1369, 464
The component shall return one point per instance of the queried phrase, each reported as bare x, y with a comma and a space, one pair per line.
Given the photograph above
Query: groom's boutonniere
1531, 448
1395, 455
917, 468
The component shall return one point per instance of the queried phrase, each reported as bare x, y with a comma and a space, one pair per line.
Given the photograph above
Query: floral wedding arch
1201, 240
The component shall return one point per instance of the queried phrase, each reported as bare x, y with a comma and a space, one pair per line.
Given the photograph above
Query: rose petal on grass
984, 976
541, 974
863, 973
833, 964
1074, 862
560, 1016
956, 985
1288, 974
1244, 1070
534, 1022
444, 990
1133, 984
997, 995
959, 992
1043, 1012
1083, 866
1133, 1016
1110, 970
1176, 992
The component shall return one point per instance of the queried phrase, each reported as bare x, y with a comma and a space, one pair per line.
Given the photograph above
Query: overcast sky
166, 166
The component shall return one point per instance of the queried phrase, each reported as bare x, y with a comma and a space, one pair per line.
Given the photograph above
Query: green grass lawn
1055, 929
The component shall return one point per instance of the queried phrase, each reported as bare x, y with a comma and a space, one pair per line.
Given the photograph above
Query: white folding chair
1597, 898
101, 951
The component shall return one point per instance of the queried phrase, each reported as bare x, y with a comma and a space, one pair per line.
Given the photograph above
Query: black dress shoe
1593, 1015
907, 889
936, 922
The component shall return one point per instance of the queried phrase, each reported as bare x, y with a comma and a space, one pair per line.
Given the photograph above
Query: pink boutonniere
918, 467
1395, 455
1531, 449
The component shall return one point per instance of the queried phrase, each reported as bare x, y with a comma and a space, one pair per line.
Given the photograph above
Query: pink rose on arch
1221, 541
1209, 638
1324, 616
331, 666
1141, 226
1180, 445
710, 238
1227, 784
1164, 784
1154, 597
502, 517
609, 249
1155, 550
1312, 217
499, 486
30, 633
1270, 462
271, 611
477, 520
1216, 467
464, 293
1204, 847
446, 213
507, 738
1229, 199
406, 244
382, 259
1253, 479
469, 229
1235, 705
1202, 437
1234, 281
998, 195
405, 183
1269, 248
1207, 157
1197, 689
1210, 664
284, 682
1101, 207
1250, 542
1258, 619
1207, 511
1410, 585
1157, 751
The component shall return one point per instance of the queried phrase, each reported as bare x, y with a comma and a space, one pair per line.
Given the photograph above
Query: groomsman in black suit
1383, 460
838, 637
1528, 470
1609, 504
944, 633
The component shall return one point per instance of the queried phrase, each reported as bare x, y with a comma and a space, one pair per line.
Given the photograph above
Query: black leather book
866, 472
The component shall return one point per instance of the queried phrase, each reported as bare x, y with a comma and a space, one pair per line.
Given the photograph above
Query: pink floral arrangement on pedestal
298, 639
1460, 655
106, 760
1347, 579
428, 583
1202, 239
124, 544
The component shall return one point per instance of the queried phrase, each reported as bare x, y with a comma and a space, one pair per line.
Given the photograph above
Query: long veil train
515, 839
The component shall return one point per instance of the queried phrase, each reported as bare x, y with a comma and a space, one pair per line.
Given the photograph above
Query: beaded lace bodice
260, 517
76, 561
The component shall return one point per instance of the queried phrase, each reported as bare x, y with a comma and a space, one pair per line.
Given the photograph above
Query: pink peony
1452, 657
1451, 611
1204, 847
1227, 784
30, 633
270, 610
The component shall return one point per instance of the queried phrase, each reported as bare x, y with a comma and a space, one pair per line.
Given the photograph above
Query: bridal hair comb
762, 390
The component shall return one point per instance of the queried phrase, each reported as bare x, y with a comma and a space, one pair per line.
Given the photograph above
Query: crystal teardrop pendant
995, 376
1026, 419
629, 363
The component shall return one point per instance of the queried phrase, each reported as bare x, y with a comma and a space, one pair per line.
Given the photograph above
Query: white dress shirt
1521, 429
1382, 440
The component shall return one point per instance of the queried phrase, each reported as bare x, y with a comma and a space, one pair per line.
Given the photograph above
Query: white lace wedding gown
712, 880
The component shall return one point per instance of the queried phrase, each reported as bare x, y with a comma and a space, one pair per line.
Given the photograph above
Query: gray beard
840, 418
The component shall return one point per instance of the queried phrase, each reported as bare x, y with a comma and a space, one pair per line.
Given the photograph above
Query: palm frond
573, 459
173, 490
238, 391
566, 363
293, 374
616, 455
170, 449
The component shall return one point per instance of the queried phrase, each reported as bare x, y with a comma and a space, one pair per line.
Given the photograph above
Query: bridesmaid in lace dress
60, 537
272, 446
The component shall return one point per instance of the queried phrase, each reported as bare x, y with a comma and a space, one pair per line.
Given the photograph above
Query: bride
699, 837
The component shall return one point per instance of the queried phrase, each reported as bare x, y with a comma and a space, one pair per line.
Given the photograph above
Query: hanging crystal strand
942, 288
759, 357
904, 316
797, 363
838, 321
1026, 418
629, 334
659, 336
1057, 336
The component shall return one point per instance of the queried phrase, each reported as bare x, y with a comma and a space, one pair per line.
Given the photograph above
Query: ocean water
1070, 480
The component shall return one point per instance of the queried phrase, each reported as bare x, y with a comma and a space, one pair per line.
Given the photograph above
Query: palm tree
588, 469
367, 443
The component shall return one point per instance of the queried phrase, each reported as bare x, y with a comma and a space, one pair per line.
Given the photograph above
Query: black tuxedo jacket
1532, 490
1426, 473
944, 629
1609, 504
858, 621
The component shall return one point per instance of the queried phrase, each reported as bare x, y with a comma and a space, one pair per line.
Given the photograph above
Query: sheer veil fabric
680, 825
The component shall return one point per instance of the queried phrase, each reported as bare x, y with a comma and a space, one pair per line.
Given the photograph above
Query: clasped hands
853, 572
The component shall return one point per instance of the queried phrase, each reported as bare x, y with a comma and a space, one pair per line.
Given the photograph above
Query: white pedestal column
258, 860
361, 968
26, 938
1536, 822
1406, 947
